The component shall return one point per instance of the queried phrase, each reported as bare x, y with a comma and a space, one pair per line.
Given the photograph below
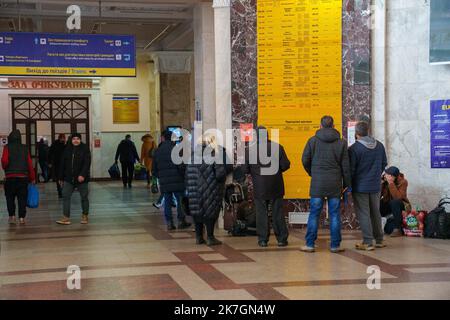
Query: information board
440, 134
299, 75
125, 109
70, 54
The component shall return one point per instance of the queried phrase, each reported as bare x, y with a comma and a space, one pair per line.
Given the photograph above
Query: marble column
204, 63
222, 41
379, 51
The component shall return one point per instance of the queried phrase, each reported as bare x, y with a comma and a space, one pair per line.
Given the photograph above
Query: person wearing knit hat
394, 200
74, 174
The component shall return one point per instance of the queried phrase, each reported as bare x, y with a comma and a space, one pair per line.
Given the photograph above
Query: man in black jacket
367, 161
325, 159
74, 174
43, 151
268, 187
171, 181
55, 156
128, 155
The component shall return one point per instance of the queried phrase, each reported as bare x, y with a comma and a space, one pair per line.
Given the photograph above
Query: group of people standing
361, 170
334, 168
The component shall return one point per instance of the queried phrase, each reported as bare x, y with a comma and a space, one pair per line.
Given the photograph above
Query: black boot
200, 240
171, 227
212, 241
183, 224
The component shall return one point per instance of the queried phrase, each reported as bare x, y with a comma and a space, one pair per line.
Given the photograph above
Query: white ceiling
156, 24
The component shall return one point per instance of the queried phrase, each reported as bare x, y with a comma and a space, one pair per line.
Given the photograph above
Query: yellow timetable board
299, 75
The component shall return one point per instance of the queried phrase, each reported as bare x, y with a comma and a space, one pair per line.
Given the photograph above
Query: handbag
154, 188
114, 171
33, 196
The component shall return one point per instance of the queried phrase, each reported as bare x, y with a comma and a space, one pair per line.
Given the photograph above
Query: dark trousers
45, 170
59, 188
55, 170
200, 223
278, 221
394, 208
16, 188
67, 191
127, 172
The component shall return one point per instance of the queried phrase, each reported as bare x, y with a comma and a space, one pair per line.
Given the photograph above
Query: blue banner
440, 134
67, 54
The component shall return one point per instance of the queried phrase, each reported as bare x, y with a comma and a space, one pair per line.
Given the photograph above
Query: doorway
47, 117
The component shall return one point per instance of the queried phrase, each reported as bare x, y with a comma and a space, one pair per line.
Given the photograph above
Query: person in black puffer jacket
206, 189
74, 172
171, 181
325, 158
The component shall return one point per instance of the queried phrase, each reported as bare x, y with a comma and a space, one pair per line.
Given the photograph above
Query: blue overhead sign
71, 54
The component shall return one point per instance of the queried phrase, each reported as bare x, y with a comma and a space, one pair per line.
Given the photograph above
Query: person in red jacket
16, 161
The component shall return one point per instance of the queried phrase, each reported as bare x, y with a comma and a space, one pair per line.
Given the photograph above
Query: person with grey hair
325, 159
367, 162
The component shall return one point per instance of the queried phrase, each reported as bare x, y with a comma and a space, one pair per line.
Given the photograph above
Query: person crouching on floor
394, 200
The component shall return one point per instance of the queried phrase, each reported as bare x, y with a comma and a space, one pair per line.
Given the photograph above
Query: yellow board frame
299, 75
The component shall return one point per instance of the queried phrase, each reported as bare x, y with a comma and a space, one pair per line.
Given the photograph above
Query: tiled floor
125, 253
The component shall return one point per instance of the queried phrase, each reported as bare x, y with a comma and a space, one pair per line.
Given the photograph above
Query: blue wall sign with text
440, 134
67, 54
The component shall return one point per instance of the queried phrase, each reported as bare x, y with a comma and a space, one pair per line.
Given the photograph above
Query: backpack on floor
437, 222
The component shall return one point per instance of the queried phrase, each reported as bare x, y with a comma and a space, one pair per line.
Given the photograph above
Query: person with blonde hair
205, 184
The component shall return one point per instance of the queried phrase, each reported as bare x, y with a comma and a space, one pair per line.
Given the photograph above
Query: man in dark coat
367, 162
171, 181
55, 156
43, 158
268, 187
205, 184
128, 155
74, 173
18, 166
325, 159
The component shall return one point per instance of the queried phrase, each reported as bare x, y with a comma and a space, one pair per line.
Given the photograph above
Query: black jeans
278, 222
394, 207
208, 223
127, 172
16, 187
45, 170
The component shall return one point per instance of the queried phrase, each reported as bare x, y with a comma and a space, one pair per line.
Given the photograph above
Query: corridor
126, 253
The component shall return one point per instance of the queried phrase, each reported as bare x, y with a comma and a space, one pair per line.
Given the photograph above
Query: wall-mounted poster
440, 134
125, 109
439, 32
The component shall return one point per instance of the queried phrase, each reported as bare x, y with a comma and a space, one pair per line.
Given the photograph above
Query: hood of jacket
14, 137
368, 142
147, 138
328, 135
